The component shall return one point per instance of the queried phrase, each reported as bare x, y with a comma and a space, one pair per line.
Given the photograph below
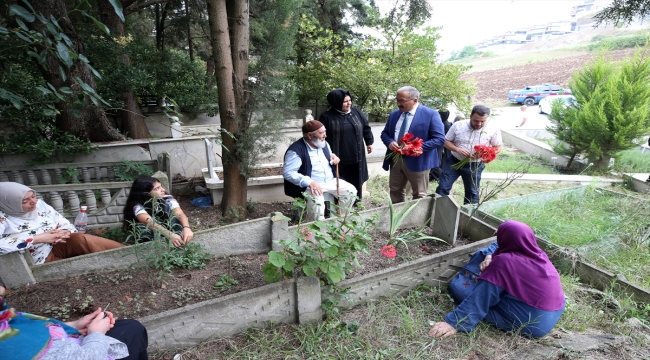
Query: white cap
84, 208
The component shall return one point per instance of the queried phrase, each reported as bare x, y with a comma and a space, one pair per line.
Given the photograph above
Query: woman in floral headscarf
347, 129
519, 290
27, 223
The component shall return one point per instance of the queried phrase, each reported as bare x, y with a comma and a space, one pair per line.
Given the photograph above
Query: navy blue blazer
426, 125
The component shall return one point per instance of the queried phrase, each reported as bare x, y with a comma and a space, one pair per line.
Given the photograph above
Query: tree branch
134, 8
623, 11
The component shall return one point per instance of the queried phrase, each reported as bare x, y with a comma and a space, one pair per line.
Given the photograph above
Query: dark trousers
352, 174
134, 335
471, 175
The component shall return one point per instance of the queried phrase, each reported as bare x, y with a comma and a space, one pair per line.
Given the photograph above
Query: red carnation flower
389, 251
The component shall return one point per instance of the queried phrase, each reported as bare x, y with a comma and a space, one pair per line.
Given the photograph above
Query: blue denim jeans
462, 285
498, 308
470, 173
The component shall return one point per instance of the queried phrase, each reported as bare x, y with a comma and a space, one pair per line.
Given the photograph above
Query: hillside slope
492, 86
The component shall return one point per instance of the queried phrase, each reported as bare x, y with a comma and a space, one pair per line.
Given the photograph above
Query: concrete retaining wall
534, 147
249, 237
296, 300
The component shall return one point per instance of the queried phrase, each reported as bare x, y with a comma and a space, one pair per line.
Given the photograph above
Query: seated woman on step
148, 209
95, 336
519, 290
27, 223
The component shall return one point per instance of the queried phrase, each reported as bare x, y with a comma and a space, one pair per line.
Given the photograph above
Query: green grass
612, 232
509, 161
632, 161
397, 328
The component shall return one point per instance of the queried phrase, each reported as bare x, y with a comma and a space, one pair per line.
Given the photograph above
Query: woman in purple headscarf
519, 290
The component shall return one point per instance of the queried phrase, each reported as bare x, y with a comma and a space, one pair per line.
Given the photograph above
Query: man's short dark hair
480, 110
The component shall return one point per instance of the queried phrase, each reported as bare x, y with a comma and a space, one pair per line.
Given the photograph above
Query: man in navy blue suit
423, 123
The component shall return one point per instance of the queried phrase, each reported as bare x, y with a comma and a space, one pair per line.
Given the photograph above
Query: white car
545, 104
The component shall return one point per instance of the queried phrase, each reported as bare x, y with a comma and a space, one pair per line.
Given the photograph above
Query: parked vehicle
531, 95
545, 105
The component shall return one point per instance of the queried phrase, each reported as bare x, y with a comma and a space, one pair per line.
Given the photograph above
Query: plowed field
492, 86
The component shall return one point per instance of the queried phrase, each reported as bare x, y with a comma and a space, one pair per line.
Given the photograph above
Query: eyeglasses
403, 101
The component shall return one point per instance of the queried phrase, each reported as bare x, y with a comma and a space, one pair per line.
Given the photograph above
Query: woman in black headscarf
347, 129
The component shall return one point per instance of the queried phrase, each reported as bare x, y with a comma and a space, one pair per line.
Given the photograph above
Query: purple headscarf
523, 270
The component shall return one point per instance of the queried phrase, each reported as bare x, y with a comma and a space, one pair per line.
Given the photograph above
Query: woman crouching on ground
150, 209
27, 223
519, 290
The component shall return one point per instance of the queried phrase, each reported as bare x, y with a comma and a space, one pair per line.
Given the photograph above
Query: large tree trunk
131, 119
92, 124
231, 72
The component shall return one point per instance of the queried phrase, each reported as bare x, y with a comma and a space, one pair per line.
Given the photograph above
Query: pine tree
611, 111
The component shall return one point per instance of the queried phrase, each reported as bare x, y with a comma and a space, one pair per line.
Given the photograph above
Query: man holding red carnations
412, 136
473, 143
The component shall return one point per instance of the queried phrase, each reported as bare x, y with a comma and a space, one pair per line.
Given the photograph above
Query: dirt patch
492, 86
136, 293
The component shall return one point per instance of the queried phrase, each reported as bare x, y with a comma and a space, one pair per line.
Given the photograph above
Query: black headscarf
336, 97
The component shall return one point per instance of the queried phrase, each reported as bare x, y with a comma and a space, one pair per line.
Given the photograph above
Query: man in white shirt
308, 169
461, 139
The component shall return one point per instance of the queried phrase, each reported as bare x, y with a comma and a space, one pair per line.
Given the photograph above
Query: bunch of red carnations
485, 152
409, 146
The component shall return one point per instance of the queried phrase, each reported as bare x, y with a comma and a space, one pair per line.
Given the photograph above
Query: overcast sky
466, 22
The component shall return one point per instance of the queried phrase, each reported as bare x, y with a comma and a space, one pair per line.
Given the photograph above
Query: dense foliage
374, 68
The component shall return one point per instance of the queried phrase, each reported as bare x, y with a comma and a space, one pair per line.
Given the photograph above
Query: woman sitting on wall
519, 290
94, 336
149, 209
27, 223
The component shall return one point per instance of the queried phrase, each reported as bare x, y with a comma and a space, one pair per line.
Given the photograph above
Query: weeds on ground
509, 160
632, 161
397, 328
610, 231
160, 255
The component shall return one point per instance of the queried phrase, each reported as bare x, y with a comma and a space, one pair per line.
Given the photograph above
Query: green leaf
3, 30
53, 30
94, 100
44, 90
90, 67
66, 90
117, 5
289, 265
22, 12
335, 274
309, 267
276, 258
64, 77
64, 54
332, 251
24, 38
86, 87
100, 24
22, 24
271, 273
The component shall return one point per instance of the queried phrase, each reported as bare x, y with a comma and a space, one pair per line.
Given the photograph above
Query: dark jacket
426, 125
300, 148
